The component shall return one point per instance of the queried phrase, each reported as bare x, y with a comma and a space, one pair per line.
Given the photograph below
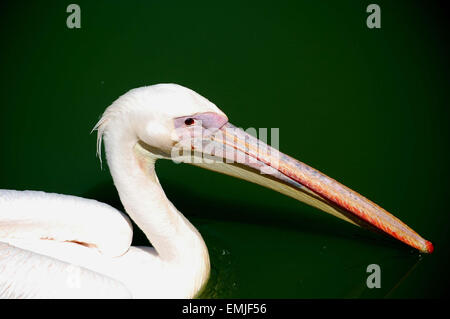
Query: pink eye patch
208, 120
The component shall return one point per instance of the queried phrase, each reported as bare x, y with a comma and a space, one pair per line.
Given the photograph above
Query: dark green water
367, 107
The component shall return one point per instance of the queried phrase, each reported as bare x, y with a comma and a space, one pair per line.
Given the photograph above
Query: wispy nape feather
114, 110
100, 128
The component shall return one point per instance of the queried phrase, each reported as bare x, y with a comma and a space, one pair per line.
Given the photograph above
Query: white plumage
63, 246
54, 245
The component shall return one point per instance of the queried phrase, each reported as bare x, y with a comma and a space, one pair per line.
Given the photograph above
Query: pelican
62, 246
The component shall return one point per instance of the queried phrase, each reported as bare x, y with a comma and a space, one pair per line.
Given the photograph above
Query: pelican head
169, 121
46, 237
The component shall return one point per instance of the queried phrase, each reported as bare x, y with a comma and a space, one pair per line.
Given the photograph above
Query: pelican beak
232, 151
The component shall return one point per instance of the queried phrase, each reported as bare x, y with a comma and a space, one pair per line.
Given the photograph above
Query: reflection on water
222, 282
258, 253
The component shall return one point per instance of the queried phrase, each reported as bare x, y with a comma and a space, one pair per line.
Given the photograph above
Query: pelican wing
38, 216
25, 274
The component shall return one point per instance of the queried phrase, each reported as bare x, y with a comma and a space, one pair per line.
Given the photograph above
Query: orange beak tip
430, 247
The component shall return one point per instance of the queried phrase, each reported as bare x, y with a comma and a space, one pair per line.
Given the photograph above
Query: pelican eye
189, 121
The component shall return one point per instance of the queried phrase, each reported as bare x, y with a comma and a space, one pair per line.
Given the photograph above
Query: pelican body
62, 246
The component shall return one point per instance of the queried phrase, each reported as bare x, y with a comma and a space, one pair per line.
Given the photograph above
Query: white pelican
60, 246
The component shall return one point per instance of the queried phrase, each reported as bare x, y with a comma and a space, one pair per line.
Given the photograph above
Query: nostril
189, 121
